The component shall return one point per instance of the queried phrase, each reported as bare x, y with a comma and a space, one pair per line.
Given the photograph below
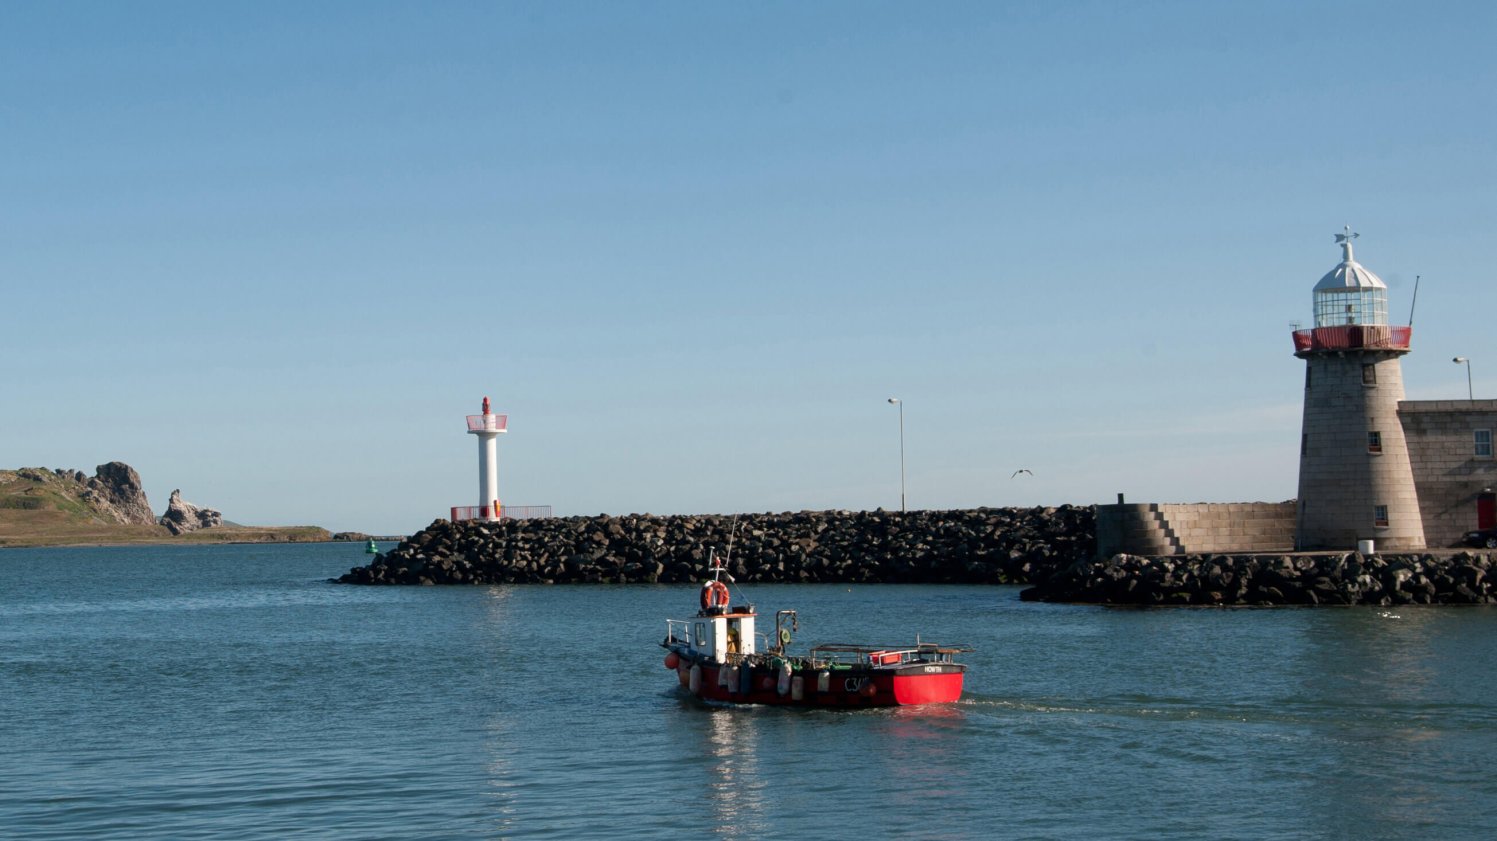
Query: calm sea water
230, 692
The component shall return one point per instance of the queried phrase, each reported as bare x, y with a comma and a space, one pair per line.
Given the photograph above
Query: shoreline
204, 537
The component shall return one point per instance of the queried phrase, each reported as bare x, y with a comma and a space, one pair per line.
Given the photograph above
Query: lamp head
1459, 359
893, 399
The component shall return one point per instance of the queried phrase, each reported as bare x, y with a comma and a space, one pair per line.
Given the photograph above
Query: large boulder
116, 493
182, 516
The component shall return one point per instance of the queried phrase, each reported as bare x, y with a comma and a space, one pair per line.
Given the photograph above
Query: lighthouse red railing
487, 423
1353, 337
506, 512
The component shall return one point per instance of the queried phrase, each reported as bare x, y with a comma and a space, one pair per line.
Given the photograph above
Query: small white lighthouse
488, 427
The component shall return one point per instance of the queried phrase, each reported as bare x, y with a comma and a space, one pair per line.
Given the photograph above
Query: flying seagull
1022, 470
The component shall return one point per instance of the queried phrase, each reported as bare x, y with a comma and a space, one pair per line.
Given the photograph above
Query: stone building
1450, 451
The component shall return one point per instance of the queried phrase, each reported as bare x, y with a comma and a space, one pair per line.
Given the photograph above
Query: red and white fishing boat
718, 655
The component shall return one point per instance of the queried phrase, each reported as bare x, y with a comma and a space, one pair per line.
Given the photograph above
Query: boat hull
921, 683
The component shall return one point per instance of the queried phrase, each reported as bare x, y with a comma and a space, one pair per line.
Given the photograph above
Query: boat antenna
1414, 302
731, 529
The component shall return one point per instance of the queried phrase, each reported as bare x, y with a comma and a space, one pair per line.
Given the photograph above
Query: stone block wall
1343, 479
1447, 471
1193, 528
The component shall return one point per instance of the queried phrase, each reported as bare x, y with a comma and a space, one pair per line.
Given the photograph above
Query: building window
1308, 369
1369, 373
1304, 443
1374, 442
1380, 516
1484, 443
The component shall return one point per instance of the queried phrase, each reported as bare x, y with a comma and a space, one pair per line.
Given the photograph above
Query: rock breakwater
977, 546
1305, 579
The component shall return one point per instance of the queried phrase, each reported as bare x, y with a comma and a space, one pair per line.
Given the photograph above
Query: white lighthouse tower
1355, 482
488, 427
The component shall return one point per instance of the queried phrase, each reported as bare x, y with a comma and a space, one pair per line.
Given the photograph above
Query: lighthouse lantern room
488, 427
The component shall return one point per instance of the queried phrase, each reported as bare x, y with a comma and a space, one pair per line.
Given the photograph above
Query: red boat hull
856, 687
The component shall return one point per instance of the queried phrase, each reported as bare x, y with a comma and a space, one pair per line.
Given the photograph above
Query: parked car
1481, 537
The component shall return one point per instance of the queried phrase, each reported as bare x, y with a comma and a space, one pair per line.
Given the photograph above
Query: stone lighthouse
1355, 482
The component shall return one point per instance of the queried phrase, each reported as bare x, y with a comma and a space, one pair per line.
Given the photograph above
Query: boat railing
885, 655
677, 630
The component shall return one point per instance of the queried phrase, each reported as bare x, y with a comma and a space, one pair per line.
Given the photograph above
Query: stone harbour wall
1194, 528
1339, 578
977, 546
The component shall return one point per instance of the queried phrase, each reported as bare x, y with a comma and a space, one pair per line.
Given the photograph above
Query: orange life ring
714, 594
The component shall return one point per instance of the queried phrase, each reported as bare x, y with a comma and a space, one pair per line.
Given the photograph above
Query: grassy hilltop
40, 507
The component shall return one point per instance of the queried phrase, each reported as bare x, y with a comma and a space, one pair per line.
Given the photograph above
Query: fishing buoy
694, 683
746, 679
725, 677
823, 681
682, 673
783, 685
672, 660
797, 688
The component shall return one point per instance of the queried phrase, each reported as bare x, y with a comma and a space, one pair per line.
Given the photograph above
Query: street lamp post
897, 402
1459, 360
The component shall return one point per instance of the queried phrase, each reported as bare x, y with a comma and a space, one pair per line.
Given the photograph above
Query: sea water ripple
215, 692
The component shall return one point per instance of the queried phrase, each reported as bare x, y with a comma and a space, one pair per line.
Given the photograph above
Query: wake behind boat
717, 655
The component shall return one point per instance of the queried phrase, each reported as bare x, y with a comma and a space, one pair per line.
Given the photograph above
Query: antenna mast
1414, 302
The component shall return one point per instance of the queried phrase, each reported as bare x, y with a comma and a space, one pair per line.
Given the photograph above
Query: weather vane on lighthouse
1344, 240
488, 427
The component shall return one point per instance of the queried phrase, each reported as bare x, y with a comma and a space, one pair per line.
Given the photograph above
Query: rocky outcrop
182, 516
116, 493
1307, 579
980, 546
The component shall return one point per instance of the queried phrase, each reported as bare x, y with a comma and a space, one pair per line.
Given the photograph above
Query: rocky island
54, 507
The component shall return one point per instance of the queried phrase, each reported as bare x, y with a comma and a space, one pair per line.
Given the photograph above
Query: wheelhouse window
1374, 442
699, 634
1369, 373
1484, 443
1380, 516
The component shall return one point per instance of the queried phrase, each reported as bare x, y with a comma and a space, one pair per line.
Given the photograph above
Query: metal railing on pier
506, 512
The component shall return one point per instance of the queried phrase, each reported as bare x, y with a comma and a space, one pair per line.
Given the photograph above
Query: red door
1486, 510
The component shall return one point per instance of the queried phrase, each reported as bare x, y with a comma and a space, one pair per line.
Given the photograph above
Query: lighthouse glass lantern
1350, 294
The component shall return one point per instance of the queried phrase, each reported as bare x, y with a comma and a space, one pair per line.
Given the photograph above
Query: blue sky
272, 253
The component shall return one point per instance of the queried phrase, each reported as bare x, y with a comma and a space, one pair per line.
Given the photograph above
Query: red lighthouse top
488, 421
